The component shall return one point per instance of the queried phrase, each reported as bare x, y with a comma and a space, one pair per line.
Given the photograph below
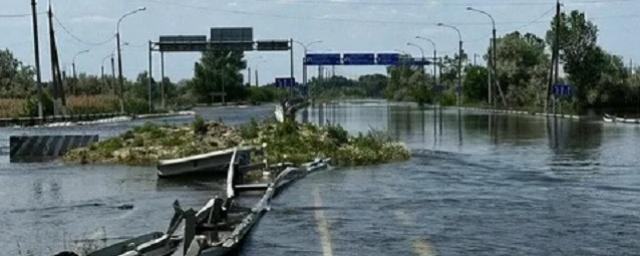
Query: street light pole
120, 77
435, 58
421, 54
493, 57
459, 89
73, 63
304, 65
102, 68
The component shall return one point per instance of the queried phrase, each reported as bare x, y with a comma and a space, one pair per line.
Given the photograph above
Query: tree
475, 83
218, 68
579, 52
16, 79
373, 85
523, 67
407, 83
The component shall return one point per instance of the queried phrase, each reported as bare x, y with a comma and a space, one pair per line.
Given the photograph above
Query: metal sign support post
291, 60
150, 76
163, 86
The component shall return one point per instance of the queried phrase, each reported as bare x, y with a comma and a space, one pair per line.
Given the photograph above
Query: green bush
136, 106
199, 126
250, 130
448, 98
31, 108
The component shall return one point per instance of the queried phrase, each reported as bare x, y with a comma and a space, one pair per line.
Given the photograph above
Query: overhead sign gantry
224, 38
387, 59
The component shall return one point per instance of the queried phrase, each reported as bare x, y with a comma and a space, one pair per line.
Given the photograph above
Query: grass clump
300, 143
286, 142
147, 144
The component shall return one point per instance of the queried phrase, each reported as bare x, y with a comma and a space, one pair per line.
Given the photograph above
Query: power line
534, 21
447, 3
22, 15
66, 30
335, 19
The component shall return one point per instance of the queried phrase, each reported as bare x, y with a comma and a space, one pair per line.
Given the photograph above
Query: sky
343, 26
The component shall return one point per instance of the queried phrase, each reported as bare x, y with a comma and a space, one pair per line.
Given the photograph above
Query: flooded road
485, 185
478, 184
49, 207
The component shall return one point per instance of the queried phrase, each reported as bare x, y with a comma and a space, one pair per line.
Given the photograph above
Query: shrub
199, 126
136, 106
250, 130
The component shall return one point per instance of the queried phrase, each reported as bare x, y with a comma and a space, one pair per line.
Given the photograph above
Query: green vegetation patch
286, 142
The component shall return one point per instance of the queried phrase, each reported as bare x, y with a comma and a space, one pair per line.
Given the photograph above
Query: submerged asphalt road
49, 207
481, 185
485, 185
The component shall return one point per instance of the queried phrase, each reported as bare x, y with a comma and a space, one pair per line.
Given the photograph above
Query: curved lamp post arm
306, 46
126, 15
493, 22
417, 46
78, 54
428, 40
452, 27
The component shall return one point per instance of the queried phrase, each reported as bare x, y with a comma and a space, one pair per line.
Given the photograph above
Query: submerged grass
286, 142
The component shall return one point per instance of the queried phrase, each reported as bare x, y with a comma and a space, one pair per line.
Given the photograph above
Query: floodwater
481, 185
478, 184
49, 207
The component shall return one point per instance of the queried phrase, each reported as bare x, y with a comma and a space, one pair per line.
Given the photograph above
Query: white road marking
421, 247
323, 225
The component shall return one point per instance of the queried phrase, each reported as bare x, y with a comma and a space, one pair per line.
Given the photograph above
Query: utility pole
249, 76
556, 72
58, 89
36, 49
553, 74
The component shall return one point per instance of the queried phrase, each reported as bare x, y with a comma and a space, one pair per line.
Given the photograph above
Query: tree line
599, 79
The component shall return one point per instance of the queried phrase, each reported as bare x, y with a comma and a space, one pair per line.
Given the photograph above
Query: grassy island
286, 142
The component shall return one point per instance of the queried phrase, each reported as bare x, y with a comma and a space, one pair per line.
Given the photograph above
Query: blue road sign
388, 59
358, 59
285, 82
323, 59
562, 90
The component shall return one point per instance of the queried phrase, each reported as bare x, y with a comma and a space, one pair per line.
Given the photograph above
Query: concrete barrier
25, 149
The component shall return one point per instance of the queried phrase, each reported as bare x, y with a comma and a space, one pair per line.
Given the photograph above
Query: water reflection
452, 129
497, 185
